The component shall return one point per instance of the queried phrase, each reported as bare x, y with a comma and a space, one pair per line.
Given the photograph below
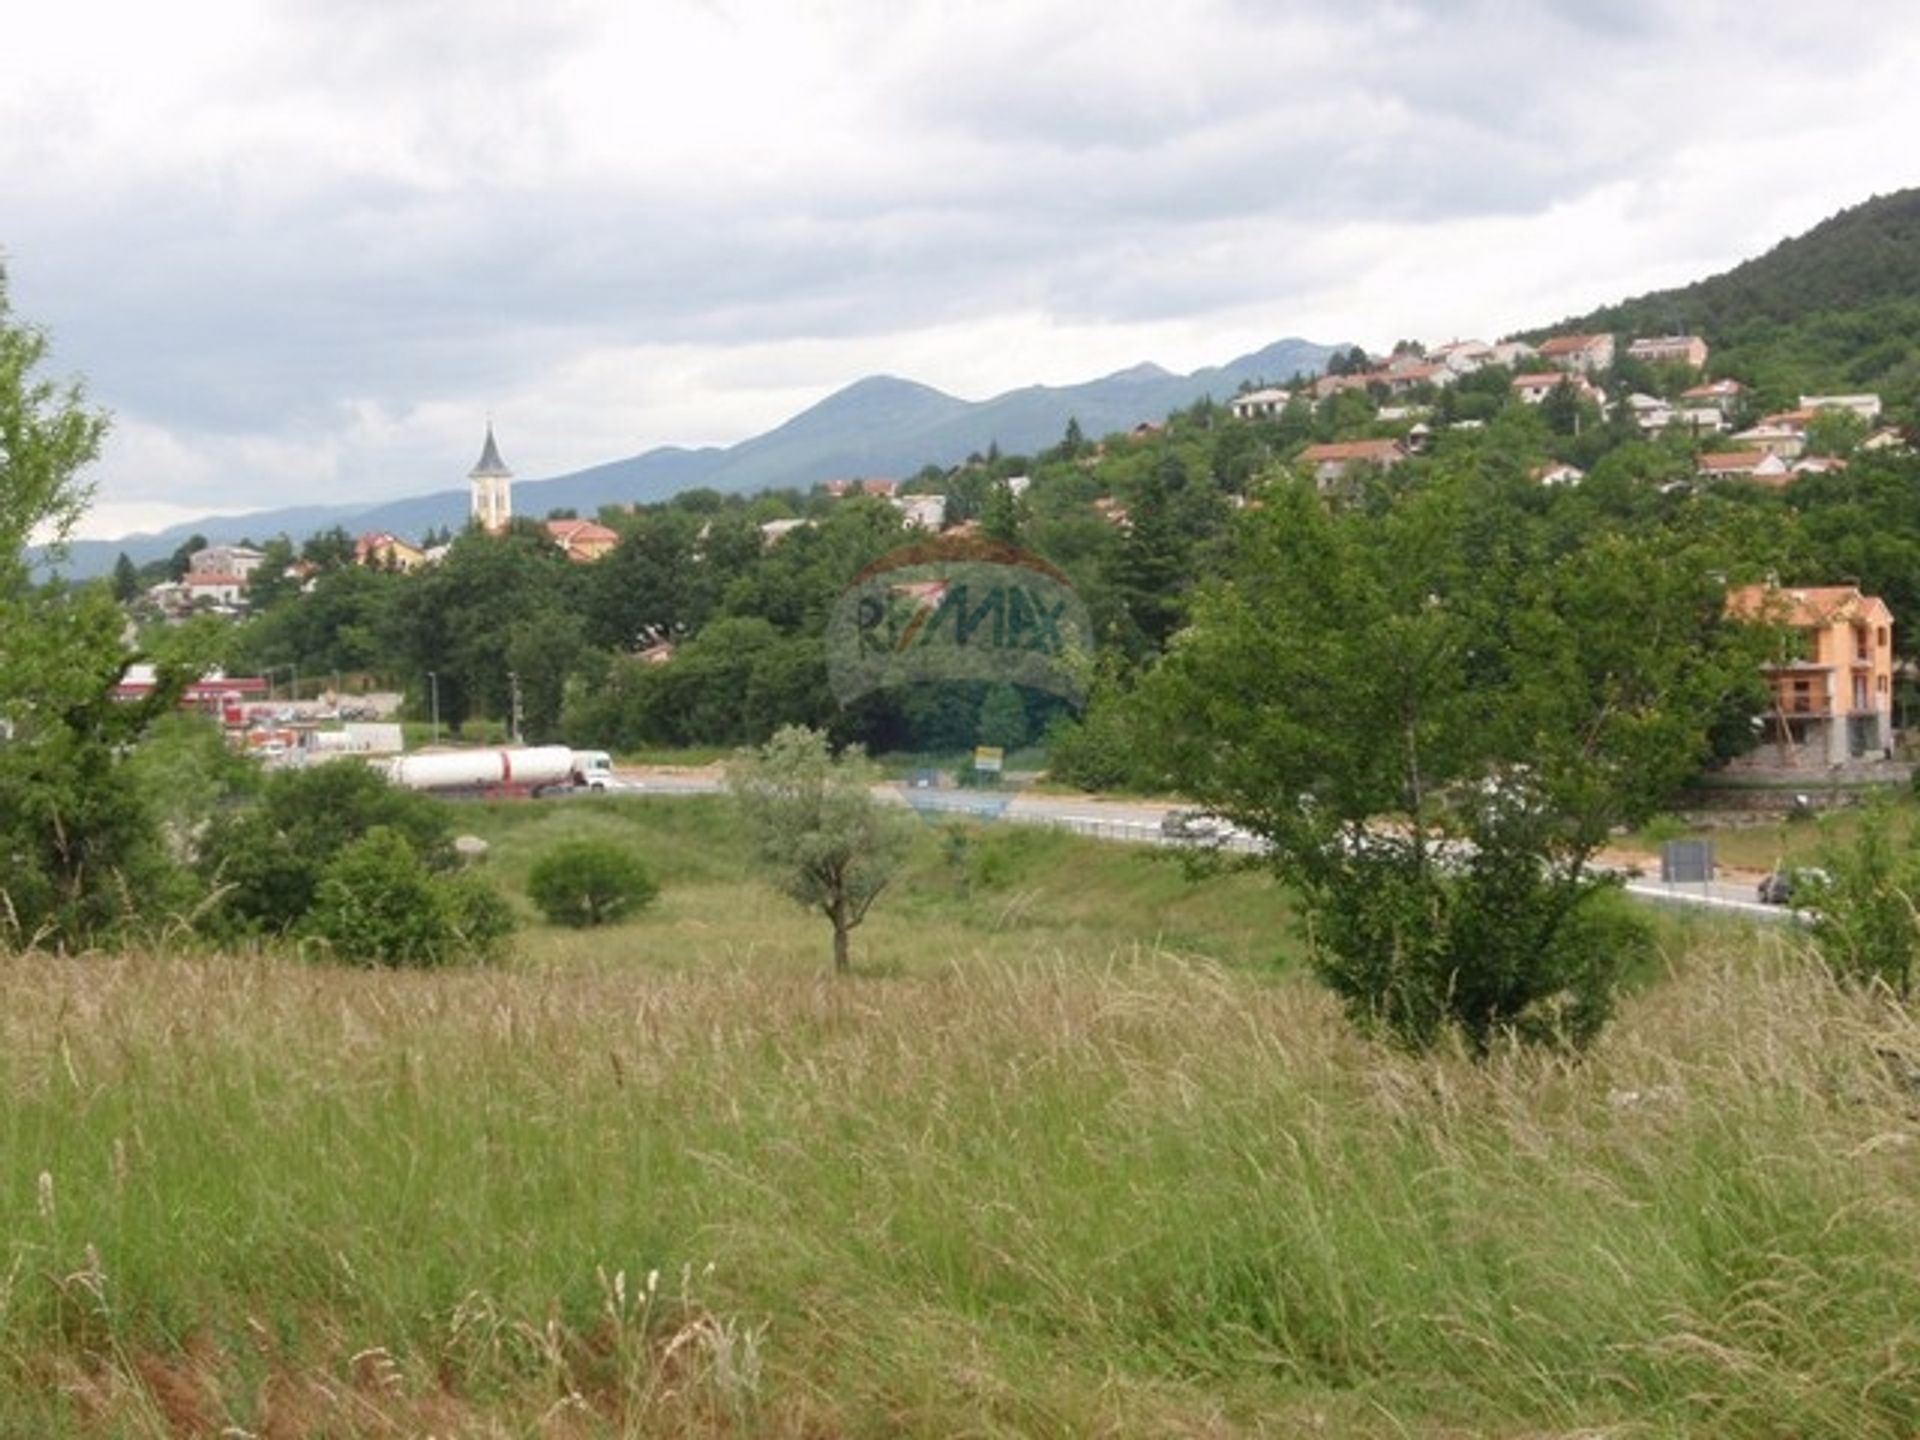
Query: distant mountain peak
880, 425
1146, 370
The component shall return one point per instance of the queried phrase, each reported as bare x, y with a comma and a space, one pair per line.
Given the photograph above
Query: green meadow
1080, 1150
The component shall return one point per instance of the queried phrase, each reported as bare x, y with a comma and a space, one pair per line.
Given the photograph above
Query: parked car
1194, 825
1791, 885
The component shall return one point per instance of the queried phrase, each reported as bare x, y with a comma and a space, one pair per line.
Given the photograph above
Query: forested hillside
1837, 308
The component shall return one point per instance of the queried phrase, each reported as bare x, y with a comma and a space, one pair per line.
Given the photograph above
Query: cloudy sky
302, 249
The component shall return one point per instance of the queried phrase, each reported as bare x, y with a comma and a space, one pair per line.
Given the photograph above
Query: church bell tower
492, 484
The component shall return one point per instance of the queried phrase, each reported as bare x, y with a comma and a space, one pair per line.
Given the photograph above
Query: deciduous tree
815, 824
1435, 722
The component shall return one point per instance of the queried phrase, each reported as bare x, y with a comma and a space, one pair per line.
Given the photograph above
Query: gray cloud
435, 204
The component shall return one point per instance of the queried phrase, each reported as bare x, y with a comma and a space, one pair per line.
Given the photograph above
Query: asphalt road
1138, 822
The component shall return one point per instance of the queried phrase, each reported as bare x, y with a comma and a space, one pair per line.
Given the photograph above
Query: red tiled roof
1570, 344
572, 531
1353, 450
1726, 460
1808, 605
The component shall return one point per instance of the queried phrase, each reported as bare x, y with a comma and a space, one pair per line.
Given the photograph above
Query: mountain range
879, 426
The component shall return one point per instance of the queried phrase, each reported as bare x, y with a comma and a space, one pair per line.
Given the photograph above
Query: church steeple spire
492, 484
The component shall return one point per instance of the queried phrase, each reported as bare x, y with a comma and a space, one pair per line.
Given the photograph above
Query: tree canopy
1435, 711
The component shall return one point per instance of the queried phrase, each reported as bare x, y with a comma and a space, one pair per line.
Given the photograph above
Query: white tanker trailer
526, 771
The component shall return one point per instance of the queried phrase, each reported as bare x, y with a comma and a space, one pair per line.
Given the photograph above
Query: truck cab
593, 769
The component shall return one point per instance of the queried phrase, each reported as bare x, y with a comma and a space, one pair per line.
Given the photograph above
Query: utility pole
513, 718
433, 688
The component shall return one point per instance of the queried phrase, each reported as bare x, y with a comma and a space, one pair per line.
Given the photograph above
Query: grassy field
1768, 844
1077, 1153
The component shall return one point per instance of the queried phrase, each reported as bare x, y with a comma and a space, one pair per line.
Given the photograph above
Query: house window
1881, 639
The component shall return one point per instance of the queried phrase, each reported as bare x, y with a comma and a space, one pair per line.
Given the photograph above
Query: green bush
1866, 923
481, 917
267, 859
378, 904
589, 882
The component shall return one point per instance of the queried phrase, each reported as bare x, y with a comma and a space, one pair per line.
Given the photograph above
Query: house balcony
1810, 707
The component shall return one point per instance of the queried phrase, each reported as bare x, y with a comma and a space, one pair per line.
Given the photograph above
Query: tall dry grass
1013, 1192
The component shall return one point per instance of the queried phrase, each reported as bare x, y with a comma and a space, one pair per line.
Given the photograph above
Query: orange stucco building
1833, 701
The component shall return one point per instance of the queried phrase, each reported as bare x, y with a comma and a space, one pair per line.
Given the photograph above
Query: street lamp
433, 686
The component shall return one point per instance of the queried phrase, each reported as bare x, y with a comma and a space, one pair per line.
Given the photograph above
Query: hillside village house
1463, 357
1584, 353
200, 590
582, 540
1833, 702
1261, 404
876, 486
1726, 396
922, 512
388, 551
1558, 474
1867, 407
1402, 378
241, 560
1511, 353
1329, 463
1670, 350
1744, 465
1784, 434
1649, 412
1536, 387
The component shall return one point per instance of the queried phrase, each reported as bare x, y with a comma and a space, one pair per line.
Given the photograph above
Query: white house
1260, 404
1536, 387
1463, 357
241, 560
1745, 465
217, 590
1783, 435
922, 512
1649, 411
1867, 407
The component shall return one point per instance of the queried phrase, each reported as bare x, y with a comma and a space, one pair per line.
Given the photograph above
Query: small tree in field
589, 882
815, 824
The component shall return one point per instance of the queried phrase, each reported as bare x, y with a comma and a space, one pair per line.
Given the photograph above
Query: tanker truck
532, 770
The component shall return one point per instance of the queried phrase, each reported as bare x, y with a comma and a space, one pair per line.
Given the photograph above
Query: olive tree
816, 826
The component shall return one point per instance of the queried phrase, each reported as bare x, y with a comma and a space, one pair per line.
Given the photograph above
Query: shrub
589, 882
268, 859
1866, 925
481, 917
378, 904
